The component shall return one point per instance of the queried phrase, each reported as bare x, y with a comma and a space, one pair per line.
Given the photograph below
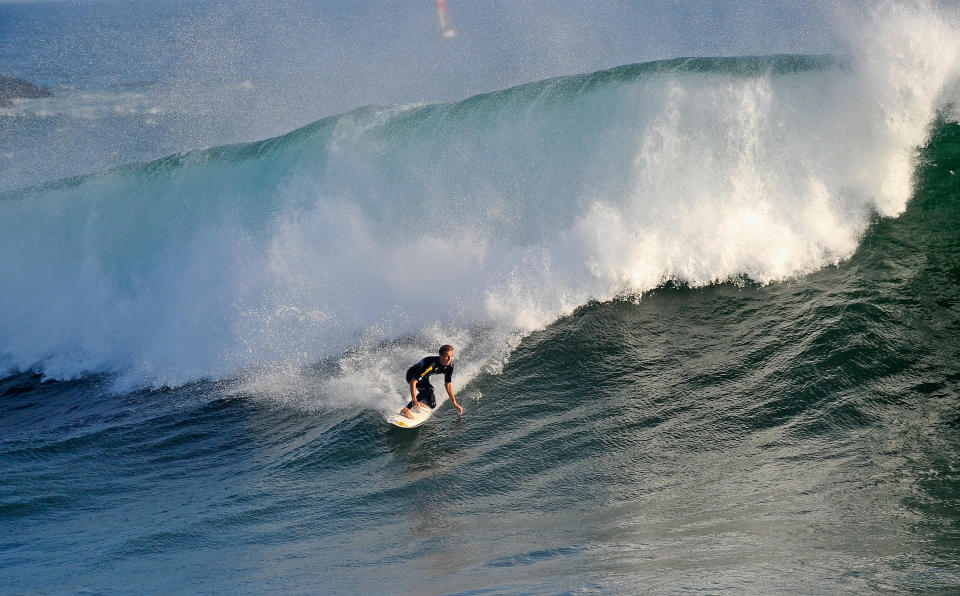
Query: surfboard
419, 417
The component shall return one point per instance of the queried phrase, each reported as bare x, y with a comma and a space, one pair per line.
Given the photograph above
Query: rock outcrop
12, 87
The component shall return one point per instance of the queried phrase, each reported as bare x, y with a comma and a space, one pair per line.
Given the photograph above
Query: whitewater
386, 229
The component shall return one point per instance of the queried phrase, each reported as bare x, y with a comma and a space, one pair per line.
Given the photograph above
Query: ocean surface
706, 314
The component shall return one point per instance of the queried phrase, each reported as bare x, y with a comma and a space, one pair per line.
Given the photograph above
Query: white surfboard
419, 417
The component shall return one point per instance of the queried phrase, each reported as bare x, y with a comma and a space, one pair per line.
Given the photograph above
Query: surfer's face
447, 358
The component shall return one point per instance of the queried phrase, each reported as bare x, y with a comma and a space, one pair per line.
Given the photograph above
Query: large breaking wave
369, 237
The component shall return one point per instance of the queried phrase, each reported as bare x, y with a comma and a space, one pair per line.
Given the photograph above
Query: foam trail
377, 235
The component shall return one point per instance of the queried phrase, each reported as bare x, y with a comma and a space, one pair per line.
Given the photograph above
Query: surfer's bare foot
406, 412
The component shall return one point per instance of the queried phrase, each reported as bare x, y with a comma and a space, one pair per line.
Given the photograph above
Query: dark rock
12, 87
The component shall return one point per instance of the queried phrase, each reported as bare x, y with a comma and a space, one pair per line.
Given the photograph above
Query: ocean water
706, 314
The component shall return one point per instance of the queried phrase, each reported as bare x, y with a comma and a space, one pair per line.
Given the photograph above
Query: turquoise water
706, 315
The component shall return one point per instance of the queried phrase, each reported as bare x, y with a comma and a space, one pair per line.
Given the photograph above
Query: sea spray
907, 59
372, 236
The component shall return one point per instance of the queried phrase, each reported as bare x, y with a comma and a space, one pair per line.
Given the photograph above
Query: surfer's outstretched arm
453, 399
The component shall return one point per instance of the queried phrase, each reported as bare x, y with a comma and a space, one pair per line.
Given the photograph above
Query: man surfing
418, 376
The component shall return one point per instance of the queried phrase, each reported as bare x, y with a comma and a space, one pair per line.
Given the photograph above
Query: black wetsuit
421, 371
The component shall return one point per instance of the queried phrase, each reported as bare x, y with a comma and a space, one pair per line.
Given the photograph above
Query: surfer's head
446, 354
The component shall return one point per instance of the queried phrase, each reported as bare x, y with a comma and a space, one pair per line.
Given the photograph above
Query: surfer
418, 376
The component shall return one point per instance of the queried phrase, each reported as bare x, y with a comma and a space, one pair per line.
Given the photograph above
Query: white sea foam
379, 235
